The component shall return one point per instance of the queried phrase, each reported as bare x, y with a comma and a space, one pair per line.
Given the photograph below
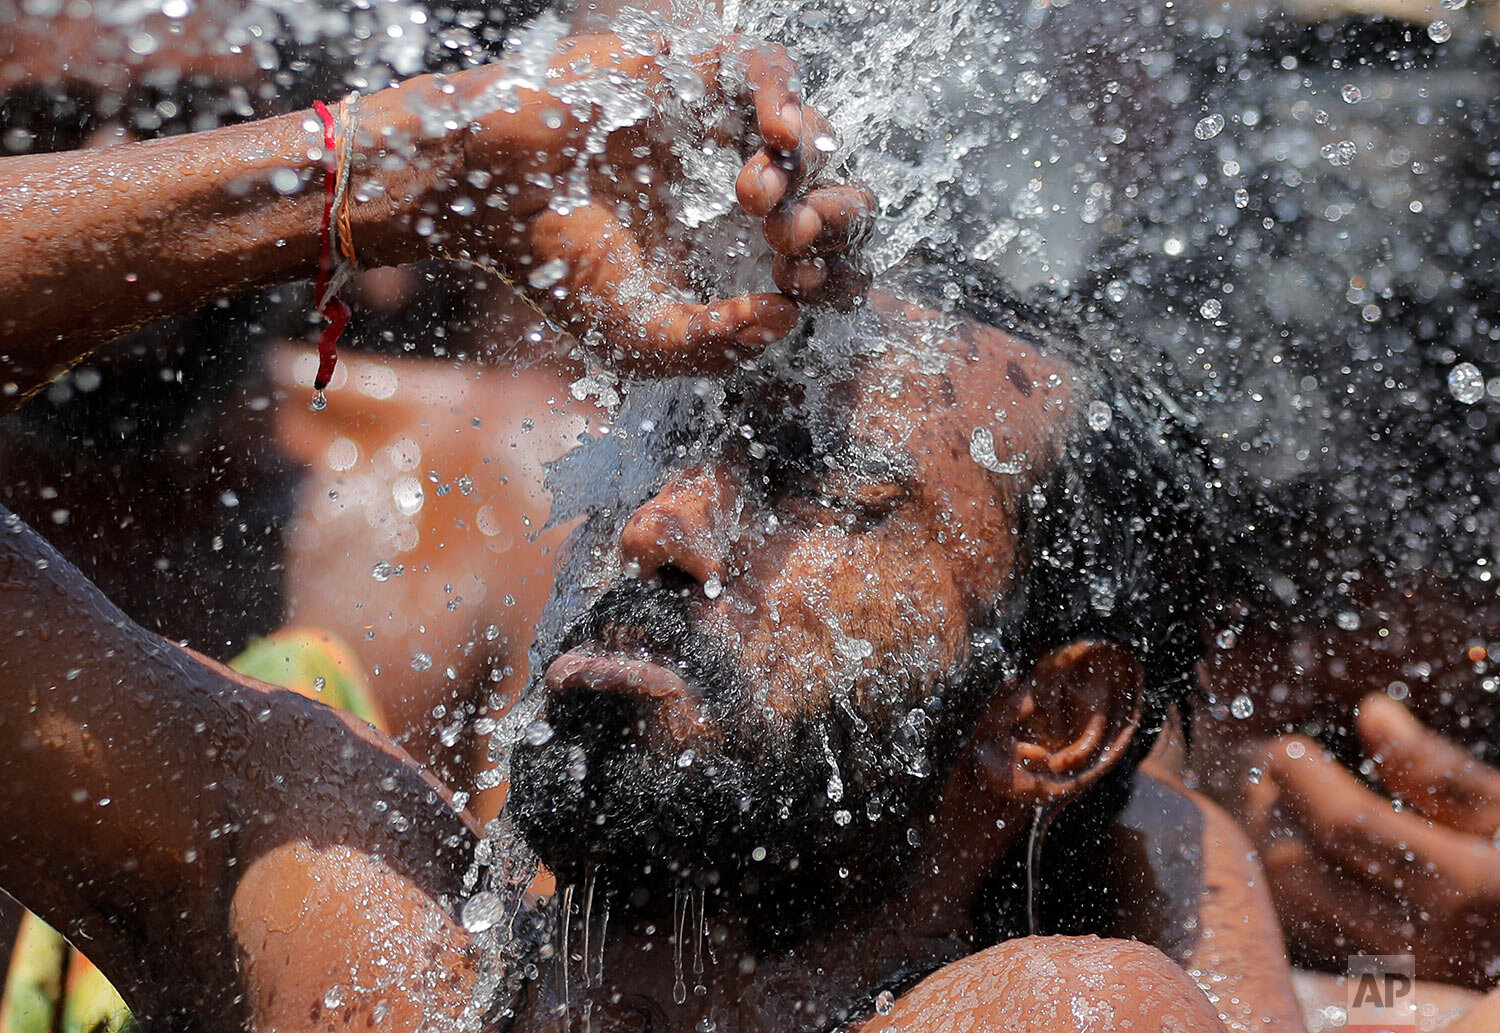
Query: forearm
96, 243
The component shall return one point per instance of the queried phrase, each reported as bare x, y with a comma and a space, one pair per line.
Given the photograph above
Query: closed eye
867, 500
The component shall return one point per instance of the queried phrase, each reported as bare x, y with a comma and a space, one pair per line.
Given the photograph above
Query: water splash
565, 958
679, 917
1041, 821
700, 929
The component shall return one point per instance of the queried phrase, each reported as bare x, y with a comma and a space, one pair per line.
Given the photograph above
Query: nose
676, 534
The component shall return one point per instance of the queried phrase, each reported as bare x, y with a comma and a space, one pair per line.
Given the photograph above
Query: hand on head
580, 214
1408, 864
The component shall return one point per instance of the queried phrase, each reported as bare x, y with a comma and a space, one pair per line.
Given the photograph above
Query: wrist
408, 159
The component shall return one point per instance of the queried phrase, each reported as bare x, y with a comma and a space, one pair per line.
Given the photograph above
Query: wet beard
756, 817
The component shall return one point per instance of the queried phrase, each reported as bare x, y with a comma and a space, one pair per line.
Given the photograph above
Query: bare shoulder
1055, 983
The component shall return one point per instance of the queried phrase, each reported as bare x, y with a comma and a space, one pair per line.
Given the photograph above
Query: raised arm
498, 165
223, 850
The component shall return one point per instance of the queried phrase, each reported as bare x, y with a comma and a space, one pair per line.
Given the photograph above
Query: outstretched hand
1414, 867
571, 180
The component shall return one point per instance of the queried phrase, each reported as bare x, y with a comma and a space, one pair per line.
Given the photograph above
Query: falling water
565, 959
1041, 820
700, 928
680, 908
588, 923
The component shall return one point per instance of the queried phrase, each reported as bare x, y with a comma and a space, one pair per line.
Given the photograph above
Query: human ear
1064, 725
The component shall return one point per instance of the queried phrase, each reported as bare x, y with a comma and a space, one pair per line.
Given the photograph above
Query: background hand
1409, 865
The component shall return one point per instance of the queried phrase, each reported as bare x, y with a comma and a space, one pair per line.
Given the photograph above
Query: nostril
675, 579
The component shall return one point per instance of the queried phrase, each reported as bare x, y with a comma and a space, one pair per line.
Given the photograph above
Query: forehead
963, 398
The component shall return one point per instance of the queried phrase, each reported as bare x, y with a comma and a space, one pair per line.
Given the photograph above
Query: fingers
773, 175
1399, 851
817, 239
598, 282
763, 182
822, 221
1326, 909
709, 339
798, 140
775, 83
1425, 770
835, 280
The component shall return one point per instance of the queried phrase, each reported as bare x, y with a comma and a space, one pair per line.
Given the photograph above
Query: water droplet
885, 1002
578, 764
1100, 415
334, 997
982, 451
319, 684
1209, 127
713, 587
548, 274
1347, 620
685, 759
491, 633
1242, 707
1341, 153
286, 182
538, 733
1242, 198
481, 911
758, 854
421, 662
319, 401
1211, 308
1466, 383
1115, 290
1226, 638
1031, 86
1440, 31
842, 817
825, 143
463, 206
1454, 5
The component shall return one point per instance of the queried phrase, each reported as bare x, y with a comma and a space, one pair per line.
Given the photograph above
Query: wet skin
160, 227
914, 565
163, 508
327, 866
268, 903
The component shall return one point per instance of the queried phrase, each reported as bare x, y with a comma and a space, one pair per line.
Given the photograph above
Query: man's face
775, 685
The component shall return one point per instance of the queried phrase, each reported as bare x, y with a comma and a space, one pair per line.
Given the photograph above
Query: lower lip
578, 670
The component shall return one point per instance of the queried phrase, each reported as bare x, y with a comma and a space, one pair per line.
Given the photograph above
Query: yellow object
315, 664
33, 985
45, 974
311, 663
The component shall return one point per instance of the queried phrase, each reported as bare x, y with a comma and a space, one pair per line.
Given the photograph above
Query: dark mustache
662, 622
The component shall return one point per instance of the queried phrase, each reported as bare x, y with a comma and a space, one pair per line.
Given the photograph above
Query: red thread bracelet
332, 308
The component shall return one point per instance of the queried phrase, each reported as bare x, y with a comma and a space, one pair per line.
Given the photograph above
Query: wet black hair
1116, 546
1114, 537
